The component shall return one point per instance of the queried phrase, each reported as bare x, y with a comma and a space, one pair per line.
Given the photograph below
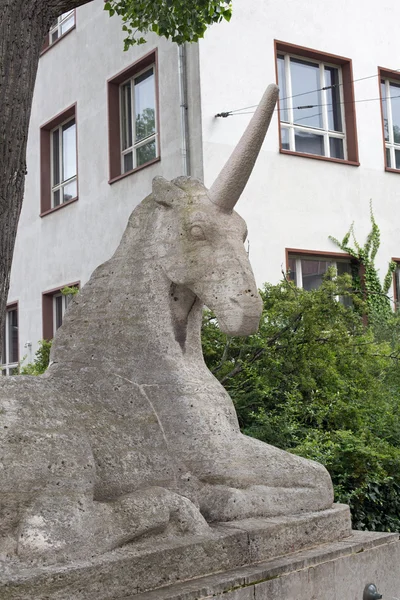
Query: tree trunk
23, 26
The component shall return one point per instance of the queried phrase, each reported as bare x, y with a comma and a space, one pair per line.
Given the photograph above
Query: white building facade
105, 122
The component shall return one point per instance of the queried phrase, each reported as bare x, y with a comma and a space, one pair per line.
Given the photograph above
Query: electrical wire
245, 108
308, 106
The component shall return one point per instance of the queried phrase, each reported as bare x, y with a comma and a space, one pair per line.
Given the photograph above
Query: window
133, 118
63, 160
55, 303
138, 121
59, 172
9, 353
316, 107
62, 25
390, 96
307, 269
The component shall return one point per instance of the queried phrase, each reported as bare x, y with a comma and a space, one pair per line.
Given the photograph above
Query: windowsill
57, 40
390, 170
326, 158
150, 162
51, 210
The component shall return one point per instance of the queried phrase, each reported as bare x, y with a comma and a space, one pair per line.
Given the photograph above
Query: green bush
41, 360
316, 382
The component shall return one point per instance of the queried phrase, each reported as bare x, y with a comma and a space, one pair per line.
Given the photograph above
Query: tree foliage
178, 20
316, 382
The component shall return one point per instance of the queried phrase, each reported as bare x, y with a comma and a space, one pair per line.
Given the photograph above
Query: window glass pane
282, 89
388, 158
305, 78
312, 272
384, 110
145, 112
54, 36
285, 138
292, 270
70, 191
336, 148
397, 157
56, 156
67, 21
343, 267
69, 150
310, 143
56, 197
126, 115
58, 311
145, 153
67, 14
333, 99
128, 162
395, 104
13, 336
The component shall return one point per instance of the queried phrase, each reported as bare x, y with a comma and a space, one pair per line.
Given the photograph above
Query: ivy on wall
368, 282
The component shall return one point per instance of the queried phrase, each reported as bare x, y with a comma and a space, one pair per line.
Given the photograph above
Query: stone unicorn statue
128, 433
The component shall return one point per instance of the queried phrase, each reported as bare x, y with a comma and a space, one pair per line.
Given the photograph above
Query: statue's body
128, 433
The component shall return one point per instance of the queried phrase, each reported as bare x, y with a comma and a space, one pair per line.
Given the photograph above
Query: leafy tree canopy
178, 20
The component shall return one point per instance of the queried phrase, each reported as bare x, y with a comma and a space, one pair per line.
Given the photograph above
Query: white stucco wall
291, 201
66, 245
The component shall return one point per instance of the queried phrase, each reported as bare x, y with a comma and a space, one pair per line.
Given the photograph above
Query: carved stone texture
128, 434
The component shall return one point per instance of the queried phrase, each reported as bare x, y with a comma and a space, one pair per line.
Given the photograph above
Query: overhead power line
240, 111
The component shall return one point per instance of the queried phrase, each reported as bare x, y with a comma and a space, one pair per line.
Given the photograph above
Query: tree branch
270, 342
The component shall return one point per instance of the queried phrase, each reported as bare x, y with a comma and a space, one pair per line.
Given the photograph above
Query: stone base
335, 571
155, 563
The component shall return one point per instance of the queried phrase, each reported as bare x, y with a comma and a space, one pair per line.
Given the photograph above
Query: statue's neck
130, 318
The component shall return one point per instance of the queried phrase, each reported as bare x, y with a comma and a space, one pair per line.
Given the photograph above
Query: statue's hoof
223, 503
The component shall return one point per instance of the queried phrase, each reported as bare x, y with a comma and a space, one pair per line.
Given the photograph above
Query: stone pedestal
333, 571
313, 556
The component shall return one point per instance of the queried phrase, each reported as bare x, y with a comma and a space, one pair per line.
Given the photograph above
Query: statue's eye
197, 233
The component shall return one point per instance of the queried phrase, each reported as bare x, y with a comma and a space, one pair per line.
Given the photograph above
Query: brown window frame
10, 307
395, 76
348, 97
114, 126
46, 44
45, 160
48, 311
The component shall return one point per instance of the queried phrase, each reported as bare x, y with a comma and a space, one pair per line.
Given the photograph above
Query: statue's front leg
70, 526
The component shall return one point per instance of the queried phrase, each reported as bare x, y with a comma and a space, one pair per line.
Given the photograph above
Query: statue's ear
165, 192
